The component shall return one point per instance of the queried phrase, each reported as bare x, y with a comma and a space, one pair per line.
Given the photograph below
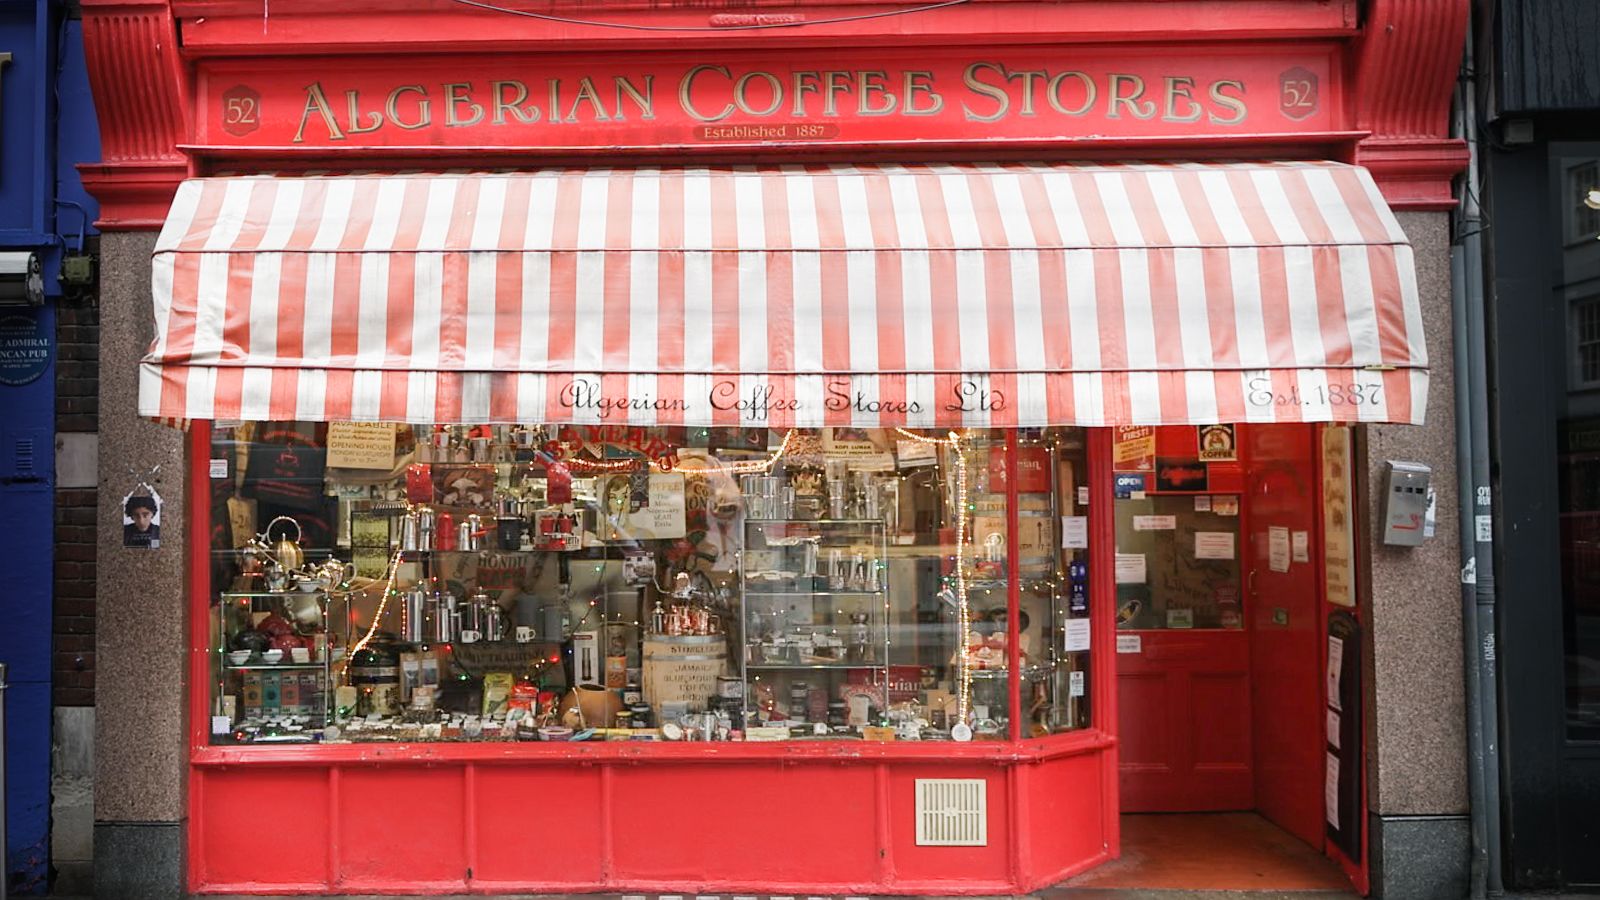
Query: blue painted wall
47, 125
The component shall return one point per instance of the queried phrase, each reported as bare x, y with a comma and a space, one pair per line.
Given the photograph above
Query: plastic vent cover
952, 812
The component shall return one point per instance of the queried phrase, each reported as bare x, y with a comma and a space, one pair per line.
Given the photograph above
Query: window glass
1176, 492
399, 583
1578, 443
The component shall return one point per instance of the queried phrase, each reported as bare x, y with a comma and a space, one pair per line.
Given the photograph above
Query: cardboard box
250, 695
288, 693
271, 693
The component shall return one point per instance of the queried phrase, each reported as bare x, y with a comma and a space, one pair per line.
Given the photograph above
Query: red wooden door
1183, 661
1285, 626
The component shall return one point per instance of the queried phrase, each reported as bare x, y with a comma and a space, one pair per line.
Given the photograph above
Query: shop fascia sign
887, 96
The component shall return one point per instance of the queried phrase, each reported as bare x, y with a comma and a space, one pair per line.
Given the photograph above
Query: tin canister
427, 525
410, 531
416, 619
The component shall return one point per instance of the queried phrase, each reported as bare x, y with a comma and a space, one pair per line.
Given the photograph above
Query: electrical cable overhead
761, 26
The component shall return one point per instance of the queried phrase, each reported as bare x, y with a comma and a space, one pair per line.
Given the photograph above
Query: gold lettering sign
775, 103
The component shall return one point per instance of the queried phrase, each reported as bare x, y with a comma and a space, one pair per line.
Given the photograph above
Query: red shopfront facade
846, 129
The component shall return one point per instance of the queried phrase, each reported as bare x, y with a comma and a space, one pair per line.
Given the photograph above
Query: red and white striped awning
929, 295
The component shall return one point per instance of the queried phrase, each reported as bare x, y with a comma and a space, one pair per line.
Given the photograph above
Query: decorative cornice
139, 83
1406, 63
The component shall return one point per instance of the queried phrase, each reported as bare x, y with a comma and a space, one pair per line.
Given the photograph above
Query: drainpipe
1475, 500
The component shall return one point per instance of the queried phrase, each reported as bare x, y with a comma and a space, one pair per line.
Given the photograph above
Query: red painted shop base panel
834, 821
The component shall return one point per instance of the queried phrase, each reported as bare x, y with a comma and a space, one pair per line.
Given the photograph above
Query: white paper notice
1130, 643
1130, 568
1278, 548
1155, 523
1213, 545
1300, 546
1225, 506
1335, 670
1333, 729
219, 467
1074, 532
1075, 684
1083, 496
1202, 503
1330, 791
1077, 635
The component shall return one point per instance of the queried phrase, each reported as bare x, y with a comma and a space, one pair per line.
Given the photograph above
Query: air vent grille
952, 812
22, 457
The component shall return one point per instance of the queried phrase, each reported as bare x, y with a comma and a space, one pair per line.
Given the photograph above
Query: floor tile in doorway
1212, 852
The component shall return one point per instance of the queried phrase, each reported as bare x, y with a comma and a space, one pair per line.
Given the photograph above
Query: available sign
744, 98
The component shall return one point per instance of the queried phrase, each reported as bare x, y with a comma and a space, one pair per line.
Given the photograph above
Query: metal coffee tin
416, 630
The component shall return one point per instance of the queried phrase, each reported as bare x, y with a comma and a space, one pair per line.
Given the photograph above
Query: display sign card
1126, 486
1225, 506
1213, 545
1335, 670
1180, 618
911, 454
662, 517
1338, 535
1333, 729
1130, 643
1133, 448
1155, 523
1083, 495
1075, 684
1131, 568
1202, 503
1074, 532
1077, 635
1300, 546
1278, 548
361, 445
1330, 791
219, 467
1217, 443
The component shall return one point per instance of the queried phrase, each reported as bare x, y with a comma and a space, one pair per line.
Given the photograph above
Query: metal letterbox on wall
1405, 503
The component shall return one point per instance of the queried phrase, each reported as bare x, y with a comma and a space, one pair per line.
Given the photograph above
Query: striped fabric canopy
924, 296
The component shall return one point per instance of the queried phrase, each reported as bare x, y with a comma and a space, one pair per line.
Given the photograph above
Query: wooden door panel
1184, 719
1220, 744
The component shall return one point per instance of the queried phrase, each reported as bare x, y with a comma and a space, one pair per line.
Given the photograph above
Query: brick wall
77, 410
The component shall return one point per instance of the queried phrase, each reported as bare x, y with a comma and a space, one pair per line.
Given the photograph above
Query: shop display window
379, 582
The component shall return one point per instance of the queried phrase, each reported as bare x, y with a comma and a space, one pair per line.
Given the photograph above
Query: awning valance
927, 295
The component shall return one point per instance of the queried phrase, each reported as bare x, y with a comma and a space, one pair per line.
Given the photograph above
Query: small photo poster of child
141, 519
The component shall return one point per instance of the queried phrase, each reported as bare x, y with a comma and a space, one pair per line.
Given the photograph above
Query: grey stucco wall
1417, 738
141, 598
